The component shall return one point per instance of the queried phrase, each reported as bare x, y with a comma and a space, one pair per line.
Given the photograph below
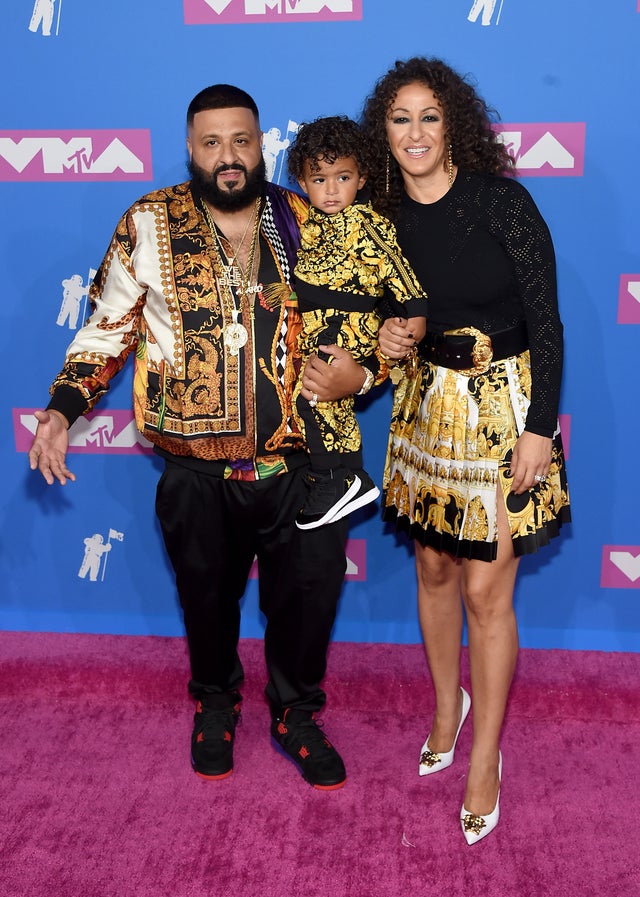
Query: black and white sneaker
367, 492
329, 492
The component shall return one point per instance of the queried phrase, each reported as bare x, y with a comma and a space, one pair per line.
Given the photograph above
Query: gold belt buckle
482, 352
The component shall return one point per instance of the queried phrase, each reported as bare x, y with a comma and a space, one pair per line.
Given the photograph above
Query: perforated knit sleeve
517, 223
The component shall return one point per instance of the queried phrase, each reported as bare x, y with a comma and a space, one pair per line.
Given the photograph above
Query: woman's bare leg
440, 614
487, 590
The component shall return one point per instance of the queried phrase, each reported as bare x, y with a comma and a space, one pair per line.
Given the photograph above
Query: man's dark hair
325, 140
221, 96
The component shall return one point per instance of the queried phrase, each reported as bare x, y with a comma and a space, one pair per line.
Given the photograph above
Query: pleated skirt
448, 460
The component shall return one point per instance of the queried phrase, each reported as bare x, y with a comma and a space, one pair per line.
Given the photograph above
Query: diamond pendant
235, 335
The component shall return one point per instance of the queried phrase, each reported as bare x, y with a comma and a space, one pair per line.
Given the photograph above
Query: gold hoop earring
450, 160
386, 182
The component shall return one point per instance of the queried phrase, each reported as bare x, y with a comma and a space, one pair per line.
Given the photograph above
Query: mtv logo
97, 433
356, 561
241, 12
104, 155
546, 150
629, 299
620, 567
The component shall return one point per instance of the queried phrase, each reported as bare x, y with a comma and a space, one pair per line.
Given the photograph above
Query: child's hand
417, 328
395, 339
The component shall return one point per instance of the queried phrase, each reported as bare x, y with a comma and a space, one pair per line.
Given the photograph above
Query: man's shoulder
165, 195
282, 196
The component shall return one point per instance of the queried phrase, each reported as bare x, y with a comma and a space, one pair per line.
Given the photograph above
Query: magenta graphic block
565, 429
91, 155
629, 299
97, 433
244, 12
356, 561
620, 567
546, 149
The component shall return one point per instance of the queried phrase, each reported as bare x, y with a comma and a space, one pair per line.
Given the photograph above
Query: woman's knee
436, 569
486, 598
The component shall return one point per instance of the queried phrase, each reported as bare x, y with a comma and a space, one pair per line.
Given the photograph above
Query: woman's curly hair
467, 119
325, 140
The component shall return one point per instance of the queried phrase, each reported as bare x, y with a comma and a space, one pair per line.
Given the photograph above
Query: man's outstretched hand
48, 450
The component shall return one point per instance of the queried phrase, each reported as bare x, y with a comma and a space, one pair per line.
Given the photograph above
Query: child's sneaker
329, 492
367, 492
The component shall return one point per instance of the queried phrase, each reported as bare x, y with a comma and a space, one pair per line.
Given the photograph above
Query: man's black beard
228, 200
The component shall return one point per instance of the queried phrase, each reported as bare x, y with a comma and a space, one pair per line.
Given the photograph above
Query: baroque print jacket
156, 295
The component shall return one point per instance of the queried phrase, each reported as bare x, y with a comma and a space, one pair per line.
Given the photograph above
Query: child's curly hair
325, 140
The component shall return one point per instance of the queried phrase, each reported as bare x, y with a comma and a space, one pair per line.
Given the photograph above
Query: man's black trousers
213, 528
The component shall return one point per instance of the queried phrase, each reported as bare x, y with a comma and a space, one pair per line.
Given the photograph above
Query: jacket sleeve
526, 239
102, 346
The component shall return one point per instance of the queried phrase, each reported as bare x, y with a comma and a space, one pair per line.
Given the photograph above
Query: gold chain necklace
233, 270
236, 334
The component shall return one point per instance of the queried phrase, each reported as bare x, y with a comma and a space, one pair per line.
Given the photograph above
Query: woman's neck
430, 188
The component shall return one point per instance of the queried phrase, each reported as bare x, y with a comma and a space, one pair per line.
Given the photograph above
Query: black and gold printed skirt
449, 452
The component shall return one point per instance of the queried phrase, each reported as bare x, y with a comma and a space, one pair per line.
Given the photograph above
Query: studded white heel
430, 761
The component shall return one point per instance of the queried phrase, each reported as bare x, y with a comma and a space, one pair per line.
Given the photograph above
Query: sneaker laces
216, 722
308, 731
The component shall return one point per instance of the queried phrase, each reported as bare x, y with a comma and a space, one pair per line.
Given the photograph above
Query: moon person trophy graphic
43, 15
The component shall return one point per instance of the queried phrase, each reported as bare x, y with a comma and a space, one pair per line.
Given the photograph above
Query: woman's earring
450, 166
386, 183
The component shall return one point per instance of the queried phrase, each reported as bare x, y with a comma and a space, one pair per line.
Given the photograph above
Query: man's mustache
233, 167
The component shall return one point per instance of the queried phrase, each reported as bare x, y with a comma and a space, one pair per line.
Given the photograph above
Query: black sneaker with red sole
213, 736
299, 736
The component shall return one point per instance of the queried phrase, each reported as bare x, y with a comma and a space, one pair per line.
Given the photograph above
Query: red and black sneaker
300, 737
212, 739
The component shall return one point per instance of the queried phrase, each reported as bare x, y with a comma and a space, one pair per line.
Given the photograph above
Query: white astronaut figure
73, 292
42, 14
271, 146
94, 548
486, 7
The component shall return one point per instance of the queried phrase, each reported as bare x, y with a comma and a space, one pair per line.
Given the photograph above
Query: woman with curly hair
475, 471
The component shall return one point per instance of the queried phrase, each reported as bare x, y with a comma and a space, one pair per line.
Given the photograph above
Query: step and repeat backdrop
93, 108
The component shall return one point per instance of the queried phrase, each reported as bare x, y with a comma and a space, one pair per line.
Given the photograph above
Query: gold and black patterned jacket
346, 264
155, 296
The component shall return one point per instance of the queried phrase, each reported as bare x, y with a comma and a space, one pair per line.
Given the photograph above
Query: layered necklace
235, 278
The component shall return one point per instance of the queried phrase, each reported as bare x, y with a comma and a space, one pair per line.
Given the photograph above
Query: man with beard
196, 285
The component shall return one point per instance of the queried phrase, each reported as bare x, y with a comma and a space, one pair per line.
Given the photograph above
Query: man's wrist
61, 417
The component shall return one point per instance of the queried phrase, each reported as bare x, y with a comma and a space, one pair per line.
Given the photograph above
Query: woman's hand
398, 336
531, 458
324, 381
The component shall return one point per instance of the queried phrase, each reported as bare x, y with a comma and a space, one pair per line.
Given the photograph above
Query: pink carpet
97, 797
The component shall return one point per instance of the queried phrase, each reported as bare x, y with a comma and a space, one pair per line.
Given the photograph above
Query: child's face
332, 186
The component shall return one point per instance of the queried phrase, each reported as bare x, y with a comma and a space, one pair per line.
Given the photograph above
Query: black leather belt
470, 351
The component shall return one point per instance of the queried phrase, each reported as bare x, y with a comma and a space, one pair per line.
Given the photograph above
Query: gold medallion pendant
235, 335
